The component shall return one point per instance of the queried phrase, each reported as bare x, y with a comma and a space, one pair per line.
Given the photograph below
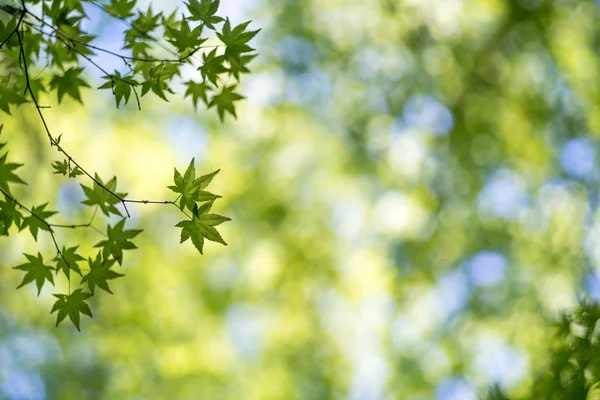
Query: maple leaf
236, 39
204, 10
212, 66
201, 226
61, 167
7, 173
36, 271
102, 198
120, 85
36, 220
184, 38
190, 188
197, 91
224, 101
99, 273
8, 97
117, 241
185, 186
122, 8
69, 83
9, 215
71, 265
72, 305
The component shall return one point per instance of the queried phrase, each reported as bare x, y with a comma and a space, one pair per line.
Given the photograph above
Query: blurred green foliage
413, 189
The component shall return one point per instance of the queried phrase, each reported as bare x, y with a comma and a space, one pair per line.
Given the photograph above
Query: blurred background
414, 195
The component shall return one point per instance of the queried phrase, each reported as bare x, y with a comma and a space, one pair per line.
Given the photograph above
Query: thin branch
112, 53
174, 202
14, 30
86, 225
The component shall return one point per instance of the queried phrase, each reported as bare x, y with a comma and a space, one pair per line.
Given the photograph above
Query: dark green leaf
72, 258
71, 305
224, 101
100, 273
68, 83
37, 220
98, 196
117, 241
36, 271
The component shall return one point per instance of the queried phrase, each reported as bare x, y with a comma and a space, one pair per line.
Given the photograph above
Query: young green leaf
204, 11
186, 186
36, 271
204, 180
224, 101
9, 214
117, 241
201, 226
212, 66
71, 264
71, 305
69, 83
121, 8
61, 167
37, 220
98, 196
121, 86
10, 96
74, 172
197, 91
184, 38
99, 273
7, 173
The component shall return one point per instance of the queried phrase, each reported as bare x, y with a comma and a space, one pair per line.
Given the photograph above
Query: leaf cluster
573, 368
43, 52
192, 192
156, 47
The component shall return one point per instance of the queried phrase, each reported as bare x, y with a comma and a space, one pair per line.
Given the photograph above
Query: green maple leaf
190, 188
98, 196
72, 258
158, 86
239, 64
201, 226
35, 221
7, 173
69, 83
36, 271
9, 215
8, 97
204, 10
117, 241
61, 167
236, 41
121, 8
184, 38
74, 172
203, 181
197, 91
71, 305
99, 273
185, 186
212, 66
237, 37
146, 23
224, 101
120, 85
